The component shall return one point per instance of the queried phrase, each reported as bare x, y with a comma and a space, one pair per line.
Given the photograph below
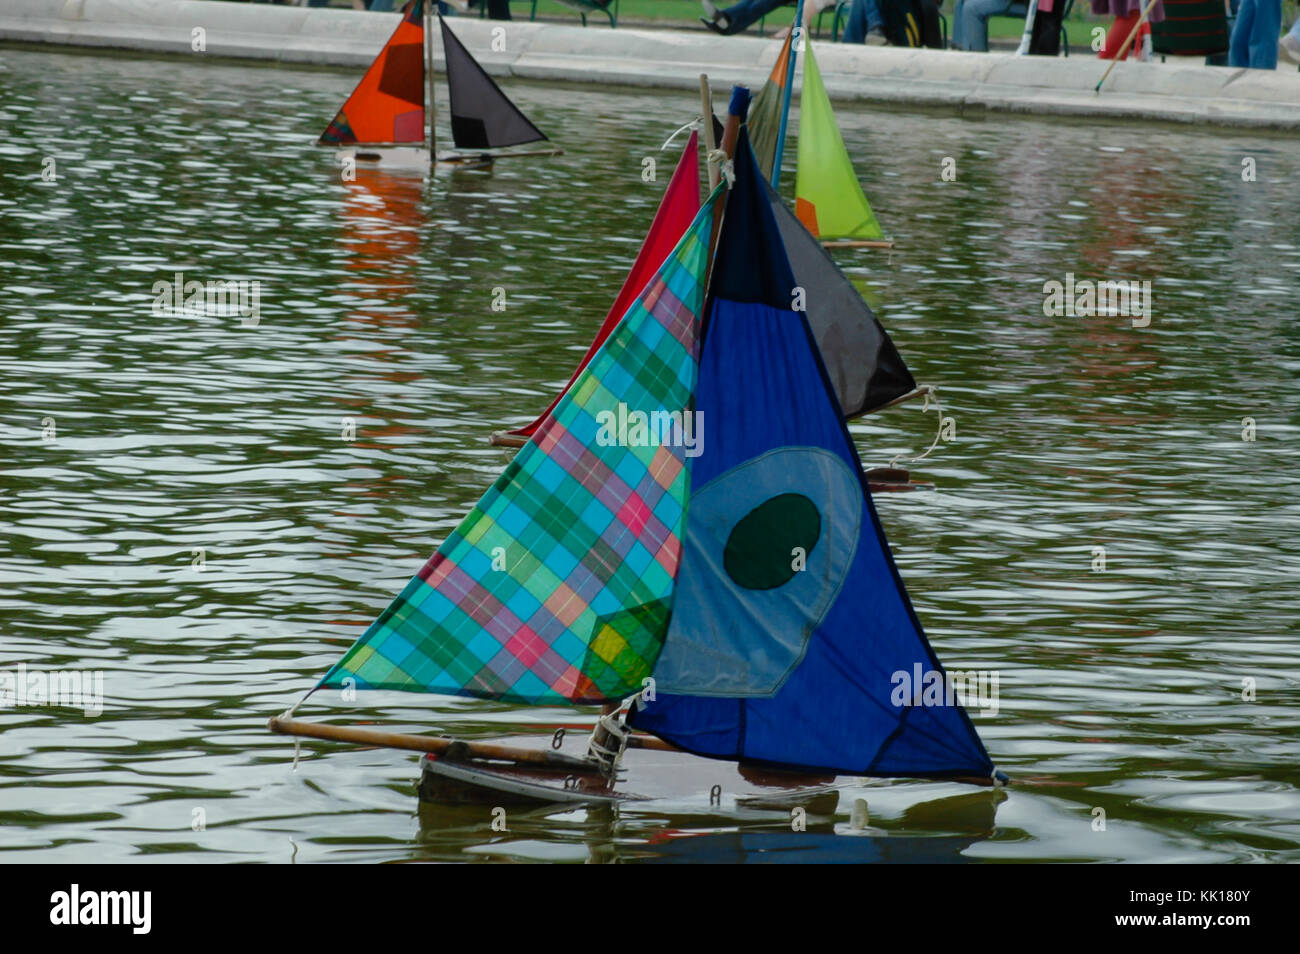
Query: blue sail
792, 641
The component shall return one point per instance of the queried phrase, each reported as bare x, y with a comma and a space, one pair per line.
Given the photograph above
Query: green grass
685, 14
685, 11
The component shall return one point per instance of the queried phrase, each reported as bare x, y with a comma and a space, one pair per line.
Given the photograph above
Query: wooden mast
710, 144
730, 136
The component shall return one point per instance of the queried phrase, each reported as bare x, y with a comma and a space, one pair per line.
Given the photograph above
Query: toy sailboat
383, 122
687, 539
829, 200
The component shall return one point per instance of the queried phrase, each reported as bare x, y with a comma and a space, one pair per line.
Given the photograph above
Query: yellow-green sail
828, 198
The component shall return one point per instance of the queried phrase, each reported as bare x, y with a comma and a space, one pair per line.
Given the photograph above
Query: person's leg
875, 19
958, 38
1239, 42
975, 22
1263, 38
742, 15
855, 28
736, 10
864, 19
1288, 48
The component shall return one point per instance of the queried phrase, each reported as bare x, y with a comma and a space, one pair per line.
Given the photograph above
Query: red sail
388, 104
677, 209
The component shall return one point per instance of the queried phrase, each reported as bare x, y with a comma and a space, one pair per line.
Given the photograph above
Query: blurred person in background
810, 10
1288, 48
1126, 14
970, 23
1254, 44
864, 24
739, 17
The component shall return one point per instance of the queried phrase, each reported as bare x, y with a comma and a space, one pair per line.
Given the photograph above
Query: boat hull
413, 158
646, 775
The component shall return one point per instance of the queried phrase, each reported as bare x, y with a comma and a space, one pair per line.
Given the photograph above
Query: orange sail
388, 104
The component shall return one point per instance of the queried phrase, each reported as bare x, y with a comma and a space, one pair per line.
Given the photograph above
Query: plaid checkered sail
557, 586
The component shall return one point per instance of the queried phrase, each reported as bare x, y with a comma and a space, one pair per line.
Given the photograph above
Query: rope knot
726, 166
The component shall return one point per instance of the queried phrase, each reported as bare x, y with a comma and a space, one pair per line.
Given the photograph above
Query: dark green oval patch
759, 553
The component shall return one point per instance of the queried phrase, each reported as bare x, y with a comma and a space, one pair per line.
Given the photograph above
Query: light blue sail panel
790, 623
752, 619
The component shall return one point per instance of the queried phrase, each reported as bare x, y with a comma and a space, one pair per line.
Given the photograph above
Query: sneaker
1288, 48
718, 26
710, 10
875, 38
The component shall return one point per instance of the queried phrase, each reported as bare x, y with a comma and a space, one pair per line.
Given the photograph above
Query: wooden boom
454, 748
423, 743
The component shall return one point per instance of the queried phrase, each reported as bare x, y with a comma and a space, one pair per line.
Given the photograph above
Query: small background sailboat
655, 577
384, 120
829, 200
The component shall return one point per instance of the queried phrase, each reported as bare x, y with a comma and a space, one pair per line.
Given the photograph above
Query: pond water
179, 508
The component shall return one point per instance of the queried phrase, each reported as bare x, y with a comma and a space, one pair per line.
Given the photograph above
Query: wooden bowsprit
456, 748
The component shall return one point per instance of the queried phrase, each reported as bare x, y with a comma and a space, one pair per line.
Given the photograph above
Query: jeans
1254, 36
970, 23
748, 12
864, 17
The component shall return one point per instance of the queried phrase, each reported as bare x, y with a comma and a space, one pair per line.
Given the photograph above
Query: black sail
861, 360
482, 117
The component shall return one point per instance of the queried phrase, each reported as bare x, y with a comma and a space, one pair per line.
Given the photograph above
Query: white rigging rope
697, 123
931, 394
